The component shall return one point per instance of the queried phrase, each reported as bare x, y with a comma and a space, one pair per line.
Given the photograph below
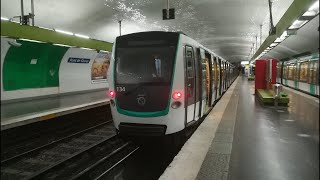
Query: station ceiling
227, 27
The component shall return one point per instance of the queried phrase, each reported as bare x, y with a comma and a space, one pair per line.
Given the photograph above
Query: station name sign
78, 60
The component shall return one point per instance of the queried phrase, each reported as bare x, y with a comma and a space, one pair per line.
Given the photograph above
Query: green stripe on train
32, 65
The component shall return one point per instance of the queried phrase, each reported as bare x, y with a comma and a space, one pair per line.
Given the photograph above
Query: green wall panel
20, 73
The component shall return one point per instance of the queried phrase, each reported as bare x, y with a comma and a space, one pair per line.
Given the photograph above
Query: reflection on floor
275, 143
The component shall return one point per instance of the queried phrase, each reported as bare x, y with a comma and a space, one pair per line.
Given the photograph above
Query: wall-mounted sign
100, 67
78, 60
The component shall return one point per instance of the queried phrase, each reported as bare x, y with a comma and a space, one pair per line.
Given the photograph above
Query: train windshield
145, 64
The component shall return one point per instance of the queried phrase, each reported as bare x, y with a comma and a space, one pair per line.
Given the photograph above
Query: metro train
161, 83
301, 74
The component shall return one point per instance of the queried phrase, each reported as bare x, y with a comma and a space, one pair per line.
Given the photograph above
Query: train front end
146, 95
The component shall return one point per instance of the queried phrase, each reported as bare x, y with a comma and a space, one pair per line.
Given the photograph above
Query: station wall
31, 69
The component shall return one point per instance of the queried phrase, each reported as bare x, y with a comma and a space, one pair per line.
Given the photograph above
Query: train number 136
121, 89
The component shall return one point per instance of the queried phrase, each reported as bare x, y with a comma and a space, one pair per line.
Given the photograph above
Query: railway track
21, 139
73, 157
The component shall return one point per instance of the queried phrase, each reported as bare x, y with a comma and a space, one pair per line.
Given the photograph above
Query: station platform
243, 139
16, 114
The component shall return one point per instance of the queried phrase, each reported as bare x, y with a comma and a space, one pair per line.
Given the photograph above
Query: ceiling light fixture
298, 24
313, 10
4, 18
82, 36
86, 48
283, 36
64, 32
273, 44
45, 28
30, 40
63, 45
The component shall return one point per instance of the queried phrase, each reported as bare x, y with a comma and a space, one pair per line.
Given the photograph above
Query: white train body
159, 86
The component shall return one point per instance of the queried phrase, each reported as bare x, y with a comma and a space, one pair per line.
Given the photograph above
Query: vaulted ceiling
227, 27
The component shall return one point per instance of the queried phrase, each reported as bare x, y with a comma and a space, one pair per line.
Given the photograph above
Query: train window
315, 75
218, 71
144, 65
189, 57
278, 69
290, 72
215, 72
189, 60
285, 71
317, 72
204, 64
295, 72
310, 72
303, 72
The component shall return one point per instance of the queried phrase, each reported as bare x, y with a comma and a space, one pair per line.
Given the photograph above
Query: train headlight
176, 95
176, 104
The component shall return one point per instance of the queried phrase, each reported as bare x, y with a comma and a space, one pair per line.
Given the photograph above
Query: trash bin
277, 88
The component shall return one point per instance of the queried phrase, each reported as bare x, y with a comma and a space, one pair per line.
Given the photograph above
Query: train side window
295, 71
303, 72
190, 71
315, 70
311, 65
278, 70
284, 73
290, 72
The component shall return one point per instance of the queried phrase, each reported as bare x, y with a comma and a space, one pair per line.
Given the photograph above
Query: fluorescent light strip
244, 62
64, 32
82, 36
273, 44
86, 48
31, 40
314, 6
4, 19
62, 45
297, 24
45, 28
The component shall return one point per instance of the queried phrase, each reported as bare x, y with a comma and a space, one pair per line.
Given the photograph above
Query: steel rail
40, 173
86, 171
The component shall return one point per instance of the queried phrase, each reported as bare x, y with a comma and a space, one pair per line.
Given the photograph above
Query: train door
190, 83
204, 72
220, 77
227, 76
208, 79
213, 81
216, 78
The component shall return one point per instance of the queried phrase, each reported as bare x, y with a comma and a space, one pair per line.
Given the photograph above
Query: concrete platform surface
187, 163
25, 112
242, 139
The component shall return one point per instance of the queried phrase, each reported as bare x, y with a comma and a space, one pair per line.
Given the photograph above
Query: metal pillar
270, 11
168, 9
256, 42
260, 34
32, 12
119, 26
22, 12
